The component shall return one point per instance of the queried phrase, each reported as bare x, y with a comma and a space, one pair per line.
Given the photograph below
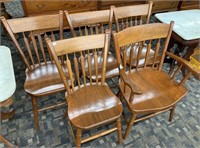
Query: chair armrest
195, 71
129, 82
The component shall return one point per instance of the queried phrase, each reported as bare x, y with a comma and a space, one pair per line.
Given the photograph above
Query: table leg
4, 12
6, 103
177, 51
6, 115
170, 46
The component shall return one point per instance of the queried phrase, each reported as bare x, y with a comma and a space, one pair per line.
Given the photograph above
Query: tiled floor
183, 132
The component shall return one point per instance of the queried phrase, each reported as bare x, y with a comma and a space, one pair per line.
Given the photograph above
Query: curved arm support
129, 82
195, 71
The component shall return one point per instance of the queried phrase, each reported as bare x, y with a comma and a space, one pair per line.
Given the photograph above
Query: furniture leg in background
3, 9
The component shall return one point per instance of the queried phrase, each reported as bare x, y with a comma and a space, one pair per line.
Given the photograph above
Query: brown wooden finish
105, 4
90, 104
6, 103
185, 4
38, 7
129, 16
150, 90
164, 5
42, 76
88, 23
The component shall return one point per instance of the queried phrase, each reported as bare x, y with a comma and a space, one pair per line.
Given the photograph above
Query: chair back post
105, 51
149, 11
70, 23
111, 18
166, 44
55, 58
61, 24
117, 49
116, 19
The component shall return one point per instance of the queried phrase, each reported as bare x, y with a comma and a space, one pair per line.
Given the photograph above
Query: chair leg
119, 131
129, 125
6, 142
78, 137
35, 113
65, 114
119, 95
171, 113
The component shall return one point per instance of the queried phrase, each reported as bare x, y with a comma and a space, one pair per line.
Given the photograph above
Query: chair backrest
153, 36
33, 30
73, 49
88, 23
129, 16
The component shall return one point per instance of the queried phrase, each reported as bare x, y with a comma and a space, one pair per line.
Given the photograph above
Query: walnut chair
129, 16
42, 76
146, 90
90, 104
89, 23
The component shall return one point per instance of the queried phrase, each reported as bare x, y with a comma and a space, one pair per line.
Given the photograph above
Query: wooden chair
89, 23
149, 91
129, 16
90, 104
42, 77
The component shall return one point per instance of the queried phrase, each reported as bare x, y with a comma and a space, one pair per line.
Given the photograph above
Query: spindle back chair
90, 104
42, 77
129, 16
149, 90
89, 23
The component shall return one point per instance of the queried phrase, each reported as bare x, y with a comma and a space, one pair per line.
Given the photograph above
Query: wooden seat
43, 74
90, 104
42, 77
94, 22
146, 90
129, 16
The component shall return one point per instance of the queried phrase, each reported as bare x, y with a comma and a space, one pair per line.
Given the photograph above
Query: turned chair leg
119, 131
128, 129
78, 137
35, 112
171, 113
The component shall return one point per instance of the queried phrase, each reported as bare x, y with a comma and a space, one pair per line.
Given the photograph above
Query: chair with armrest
93, 22
90, 104
42, 77
129, 16
149, 90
